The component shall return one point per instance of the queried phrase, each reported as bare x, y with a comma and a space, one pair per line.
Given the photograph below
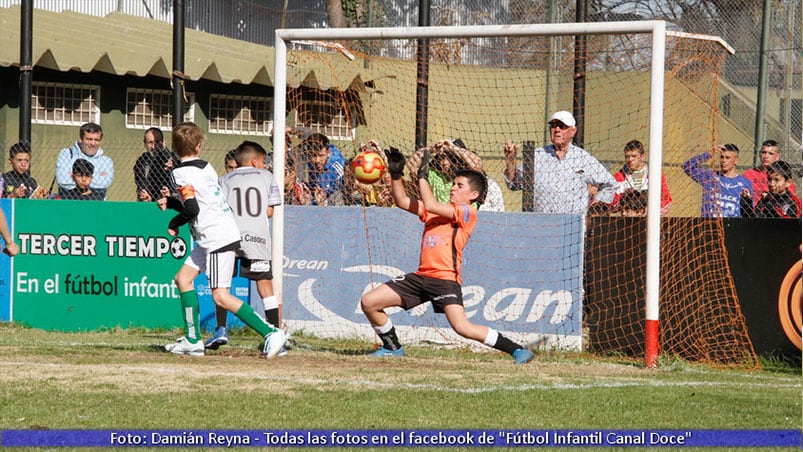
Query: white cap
564, 117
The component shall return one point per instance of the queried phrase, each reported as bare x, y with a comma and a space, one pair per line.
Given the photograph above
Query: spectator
296, 192
87, 147
152, 168
357, 193
494, 199
770, 152
722, 189
350, 194
445, 163
633, 203
598, 209
294, 141
230, 161
634, 176
288, 138
82, 171
291, 135
378, 194
780, 201
563, 172
326, 170
448, 157
18, 182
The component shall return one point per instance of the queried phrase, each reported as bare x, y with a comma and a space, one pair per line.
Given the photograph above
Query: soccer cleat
274, 343
219, 338
383, 352
184, 347
282, 352
522, 356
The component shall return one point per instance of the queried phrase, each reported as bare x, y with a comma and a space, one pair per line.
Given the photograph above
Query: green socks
249, 317
191, 316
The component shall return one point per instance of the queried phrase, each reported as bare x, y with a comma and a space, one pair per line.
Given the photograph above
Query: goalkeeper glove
396, 163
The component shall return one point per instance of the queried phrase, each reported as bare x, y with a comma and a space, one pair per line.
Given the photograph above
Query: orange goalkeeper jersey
443, 242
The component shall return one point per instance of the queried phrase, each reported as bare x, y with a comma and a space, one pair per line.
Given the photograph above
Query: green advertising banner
85, 265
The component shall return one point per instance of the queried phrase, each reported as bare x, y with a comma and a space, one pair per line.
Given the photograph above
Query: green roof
121, 44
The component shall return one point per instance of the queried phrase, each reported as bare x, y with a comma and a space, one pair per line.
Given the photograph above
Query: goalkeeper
447, 228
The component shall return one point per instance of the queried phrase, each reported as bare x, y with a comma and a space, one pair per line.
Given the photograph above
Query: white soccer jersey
250, 191
214, 227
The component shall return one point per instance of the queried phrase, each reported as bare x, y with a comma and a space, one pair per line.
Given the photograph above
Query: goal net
559, 280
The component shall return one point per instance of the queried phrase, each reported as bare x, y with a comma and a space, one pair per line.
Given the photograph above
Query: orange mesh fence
700, 318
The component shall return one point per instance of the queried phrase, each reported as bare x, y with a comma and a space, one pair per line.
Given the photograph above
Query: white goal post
656, 29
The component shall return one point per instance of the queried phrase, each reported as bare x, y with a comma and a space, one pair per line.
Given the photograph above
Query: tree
334, 9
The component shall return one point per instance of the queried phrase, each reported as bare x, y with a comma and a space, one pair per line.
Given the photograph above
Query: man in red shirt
770, 153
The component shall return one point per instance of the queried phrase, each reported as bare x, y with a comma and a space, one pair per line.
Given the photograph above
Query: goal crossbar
470, 31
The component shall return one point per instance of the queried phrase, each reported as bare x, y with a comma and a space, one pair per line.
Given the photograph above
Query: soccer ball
368, 167
178, 248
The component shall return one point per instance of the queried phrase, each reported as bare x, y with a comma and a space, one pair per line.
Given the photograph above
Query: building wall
121, 143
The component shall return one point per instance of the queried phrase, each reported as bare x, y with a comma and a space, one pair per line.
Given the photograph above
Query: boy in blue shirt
722, 189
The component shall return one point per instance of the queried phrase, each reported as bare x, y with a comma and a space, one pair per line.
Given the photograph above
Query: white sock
491, 337
270, 302
384, 328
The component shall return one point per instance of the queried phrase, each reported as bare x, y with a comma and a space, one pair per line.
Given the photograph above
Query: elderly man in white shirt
563, 172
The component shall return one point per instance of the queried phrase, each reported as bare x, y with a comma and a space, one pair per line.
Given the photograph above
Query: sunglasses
558, 125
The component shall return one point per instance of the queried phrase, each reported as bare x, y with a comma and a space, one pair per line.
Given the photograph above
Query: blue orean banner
400, 438
522, 274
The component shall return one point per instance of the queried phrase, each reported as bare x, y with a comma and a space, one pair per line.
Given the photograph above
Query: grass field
122, 380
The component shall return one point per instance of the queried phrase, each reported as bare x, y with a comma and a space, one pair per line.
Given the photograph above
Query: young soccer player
216, 236
447, 228
252, 193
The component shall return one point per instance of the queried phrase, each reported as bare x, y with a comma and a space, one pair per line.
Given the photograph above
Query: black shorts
254, 270
415, 290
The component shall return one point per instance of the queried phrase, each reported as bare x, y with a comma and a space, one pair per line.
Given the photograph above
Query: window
725, 105
323, 117
64, 104
242, 115
335, 114
146, 108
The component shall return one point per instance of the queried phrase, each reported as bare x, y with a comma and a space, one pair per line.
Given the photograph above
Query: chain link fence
738, 22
